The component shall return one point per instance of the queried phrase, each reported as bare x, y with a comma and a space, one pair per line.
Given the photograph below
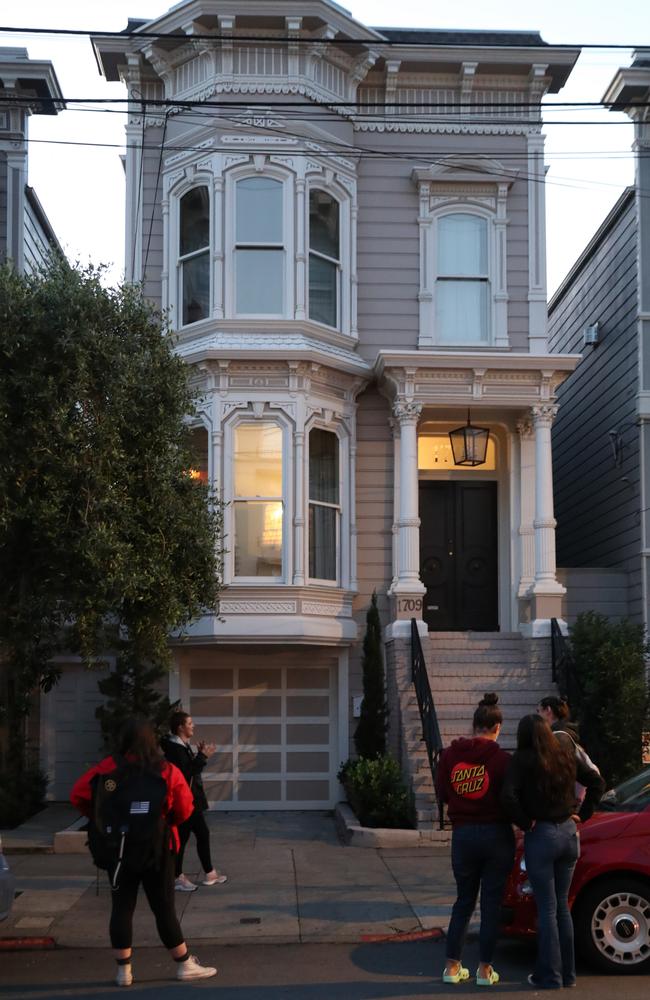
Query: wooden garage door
274, 724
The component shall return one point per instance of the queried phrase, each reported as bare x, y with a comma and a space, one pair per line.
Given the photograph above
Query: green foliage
106, 542
22, 793
377, 793
370, 734
612, 705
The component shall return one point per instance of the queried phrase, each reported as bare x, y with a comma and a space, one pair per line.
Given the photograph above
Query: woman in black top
179, 751
539, 796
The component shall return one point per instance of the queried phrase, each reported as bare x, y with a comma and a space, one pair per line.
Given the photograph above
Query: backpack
127, 826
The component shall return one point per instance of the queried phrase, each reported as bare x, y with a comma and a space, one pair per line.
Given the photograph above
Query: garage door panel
282, 731
211, 680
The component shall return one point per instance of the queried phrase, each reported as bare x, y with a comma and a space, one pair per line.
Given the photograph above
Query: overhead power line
401, 43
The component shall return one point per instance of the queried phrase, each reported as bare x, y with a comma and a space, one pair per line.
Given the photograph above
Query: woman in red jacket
469, 779
138, 749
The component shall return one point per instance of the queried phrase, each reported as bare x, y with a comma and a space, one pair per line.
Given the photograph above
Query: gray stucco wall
597, 500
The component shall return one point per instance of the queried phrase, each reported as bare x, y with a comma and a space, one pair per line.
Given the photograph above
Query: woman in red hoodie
138, 751
469, 779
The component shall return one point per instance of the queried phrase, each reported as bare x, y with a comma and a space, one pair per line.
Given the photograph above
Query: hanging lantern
469, 444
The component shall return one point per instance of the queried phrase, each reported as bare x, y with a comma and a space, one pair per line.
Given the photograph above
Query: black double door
458, 555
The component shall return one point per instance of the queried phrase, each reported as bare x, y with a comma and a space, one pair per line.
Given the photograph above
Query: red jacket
469, 779
178, 805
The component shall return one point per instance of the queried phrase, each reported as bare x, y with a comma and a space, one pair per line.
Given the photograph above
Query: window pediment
466, 170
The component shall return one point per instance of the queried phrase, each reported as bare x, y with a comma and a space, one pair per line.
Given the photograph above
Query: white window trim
344, 270
174, 298
287, 179
343, 564
477, 187
454, 210
246, 416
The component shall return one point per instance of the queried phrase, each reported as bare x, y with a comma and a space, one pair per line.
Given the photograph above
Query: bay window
324, 258
324, 505
258, 500
194, 255
260, 255
462, 279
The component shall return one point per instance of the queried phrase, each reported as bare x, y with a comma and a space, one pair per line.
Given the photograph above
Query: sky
81, 186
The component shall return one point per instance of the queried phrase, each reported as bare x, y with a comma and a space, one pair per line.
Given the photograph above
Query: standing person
138, 763
469, 779
179, 751
556, 712
539, 796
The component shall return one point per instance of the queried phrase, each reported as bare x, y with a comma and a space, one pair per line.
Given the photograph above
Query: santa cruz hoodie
469, 779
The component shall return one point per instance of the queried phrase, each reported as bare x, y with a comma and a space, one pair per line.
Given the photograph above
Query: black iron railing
430, 728
563, 671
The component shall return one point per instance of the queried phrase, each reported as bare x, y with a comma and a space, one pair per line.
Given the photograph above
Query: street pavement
290, 880
386, 971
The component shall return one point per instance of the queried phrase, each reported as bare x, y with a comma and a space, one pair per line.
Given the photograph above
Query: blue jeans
551, 851
481, 858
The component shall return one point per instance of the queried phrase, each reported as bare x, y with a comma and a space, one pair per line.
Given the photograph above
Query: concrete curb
355, 835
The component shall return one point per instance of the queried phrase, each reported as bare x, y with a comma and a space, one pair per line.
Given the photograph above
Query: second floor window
462, 280
324, 505
259, 247
324, 258
194, 254
258, 500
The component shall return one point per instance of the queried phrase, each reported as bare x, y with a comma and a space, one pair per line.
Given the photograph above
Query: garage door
273, 719
70, 734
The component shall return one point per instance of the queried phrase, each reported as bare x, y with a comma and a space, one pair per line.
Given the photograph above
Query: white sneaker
214, 878
124, 975
192, 969
183, 884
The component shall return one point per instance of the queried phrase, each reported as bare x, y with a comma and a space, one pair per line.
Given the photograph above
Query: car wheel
612, 925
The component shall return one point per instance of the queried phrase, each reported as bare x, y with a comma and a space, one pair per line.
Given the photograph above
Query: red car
610, 891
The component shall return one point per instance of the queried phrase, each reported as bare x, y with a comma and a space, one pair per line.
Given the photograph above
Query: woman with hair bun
469, 779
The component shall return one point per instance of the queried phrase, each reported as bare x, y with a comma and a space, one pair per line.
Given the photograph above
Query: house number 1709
409, 604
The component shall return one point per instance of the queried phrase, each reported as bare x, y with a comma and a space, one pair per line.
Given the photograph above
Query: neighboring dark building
27, 87
601, 442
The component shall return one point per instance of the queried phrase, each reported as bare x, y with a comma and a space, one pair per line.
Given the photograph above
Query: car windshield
632, 795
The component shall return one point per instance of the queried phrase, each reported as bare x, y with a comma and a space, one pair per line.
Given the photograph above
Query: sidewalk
290, 880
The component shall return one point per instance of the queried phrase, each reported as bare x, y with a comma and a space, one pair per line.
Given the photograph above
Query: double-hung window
462, 279
324, 505
260, 251
194, 255
258, 500
324, 258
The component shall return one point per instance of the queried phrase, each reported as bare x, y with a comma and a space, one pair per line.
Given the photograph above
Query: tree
611, 702
106, 540
370, 734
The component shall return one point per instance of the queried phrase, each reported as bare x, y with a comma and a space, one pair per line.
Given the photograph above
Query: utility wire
466, 34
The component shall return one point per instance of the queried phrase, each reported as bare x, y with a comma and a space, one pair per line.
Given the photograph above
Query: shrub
22, 793
377, 793
611, 701
370, 734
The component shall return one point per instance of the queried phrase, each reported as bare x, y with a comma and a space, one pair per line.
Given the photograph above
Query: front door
458, 555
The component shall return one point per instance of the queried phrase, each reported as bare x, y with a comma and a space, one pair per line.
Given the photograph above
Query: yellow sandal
456, 977
490, 980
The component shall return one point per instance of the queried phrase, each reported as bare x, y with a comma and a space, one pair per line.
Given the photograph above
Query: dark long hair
555, 764
558, 706
487, 714
138, 744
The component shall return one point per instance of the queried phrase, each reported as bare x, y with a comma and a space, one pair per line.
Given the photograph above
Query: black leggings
195, 824
158, 885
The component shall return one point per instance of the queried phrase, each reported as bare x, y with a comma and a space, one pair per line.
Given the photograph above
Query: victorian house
346, 224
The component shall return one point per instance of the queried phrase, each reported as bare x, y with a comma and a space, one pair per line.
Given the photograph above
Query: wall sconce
591, 335
616, 442
469, 444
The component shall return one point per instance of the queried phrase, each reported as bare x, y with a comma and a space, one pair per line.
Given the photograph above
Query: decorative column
537, 307
394, 426
408, 591
301, 250
546, 591
299, 513
526, 506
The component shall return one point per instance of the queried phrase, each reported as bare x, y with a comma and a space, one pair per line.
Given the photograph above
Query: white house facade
346, 225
